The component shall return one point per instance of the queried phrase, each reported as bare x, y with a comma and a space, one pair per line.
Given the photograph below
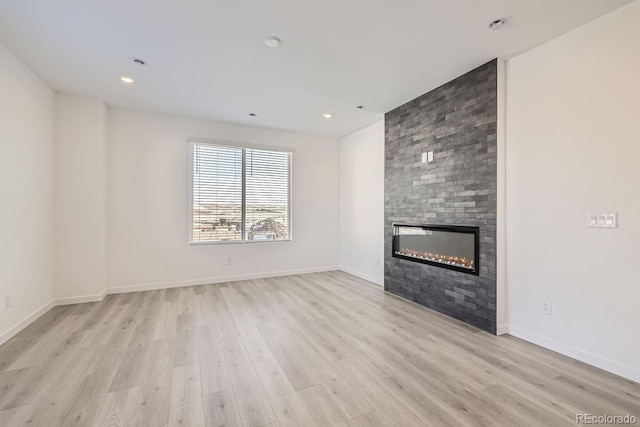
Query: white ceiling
207, 58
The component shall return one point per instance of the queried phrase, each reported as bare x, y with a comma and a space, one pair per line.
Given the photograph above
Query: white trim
238, 144
13, 331
367, 277
577, 353
80, 300
191, 162
238, 242
222, 279
501, 201
502, 329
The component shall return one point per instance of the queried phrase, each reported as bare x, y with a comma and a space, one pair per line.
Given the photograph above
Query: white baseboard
367, 277
12, 331
577, 353
80, 300
223, 279
502, 329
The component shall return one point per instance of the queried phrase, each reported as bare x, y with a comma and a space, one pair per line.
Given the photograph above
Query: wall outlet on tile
424, 157
8, 301
545, 308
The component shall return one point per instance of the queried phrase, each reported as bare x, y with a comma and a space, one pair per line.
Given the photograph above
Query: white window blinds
217, 193
267, 195
240, 194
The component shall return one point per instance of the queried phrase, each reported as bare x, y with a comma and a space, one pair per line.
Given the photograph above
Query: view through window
240, 194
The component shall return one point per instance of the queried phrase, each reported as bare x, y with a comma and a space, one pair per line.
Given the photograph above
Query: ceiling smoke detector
272, 41
496, 25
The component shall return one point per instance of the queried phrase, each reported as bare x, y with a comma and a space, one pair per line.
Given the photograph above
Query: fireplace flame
442, 259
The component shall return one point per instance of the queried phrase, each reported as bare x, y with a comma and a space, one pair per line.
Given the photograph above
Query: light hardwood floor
324, 349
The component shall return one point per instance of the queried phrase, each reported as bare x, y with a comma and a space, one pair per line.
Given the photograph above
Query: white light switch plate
603, 220
424, 157
611, 220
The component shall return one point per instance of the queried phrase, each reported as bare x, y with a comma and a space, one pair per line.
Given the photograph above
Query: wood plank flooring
324, 349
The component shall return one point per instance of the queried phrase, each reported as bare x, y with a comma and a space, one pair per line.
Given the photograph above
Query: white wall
26, 200
81, 198
573, 144
148, 204
362, 203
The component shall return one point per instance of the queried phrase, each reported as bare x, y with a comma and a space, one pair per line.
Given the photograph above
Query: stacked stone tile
456, 121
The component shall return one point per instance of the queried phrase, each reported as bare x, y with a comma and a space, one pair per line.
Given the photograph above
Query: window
239, 194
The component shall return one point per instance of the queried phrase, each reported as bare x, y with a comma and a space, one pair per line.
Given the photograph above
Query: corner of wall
501, 214
361, 245
369, 278
26, 172
80, 185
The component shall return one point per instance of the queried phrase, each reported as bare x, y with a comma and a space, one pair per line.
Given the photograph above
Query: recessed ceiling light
127, 80
327, 115
272, 41
496, 25
360, 107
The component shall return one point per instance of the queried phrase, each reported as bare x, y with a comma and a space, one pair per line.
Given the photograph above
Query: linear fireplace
447, 246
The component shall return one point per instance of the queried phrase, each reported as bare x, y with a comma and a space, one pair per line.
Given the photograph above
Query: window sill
243, 242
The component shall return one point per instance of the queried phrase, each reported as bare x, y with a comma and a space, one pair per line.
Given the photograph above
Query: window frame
191, 143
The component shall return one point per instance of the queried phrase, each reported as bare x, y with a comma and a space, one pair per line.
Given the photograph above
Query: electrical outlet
545, 308
9, 301
229, 261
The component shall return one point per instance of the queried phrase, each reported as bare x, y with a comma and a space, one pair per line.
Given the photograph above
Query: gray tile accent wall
456, 121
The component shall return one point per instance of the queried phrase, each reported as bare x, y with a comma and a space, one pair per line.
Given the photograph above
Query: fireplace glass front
452, 247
